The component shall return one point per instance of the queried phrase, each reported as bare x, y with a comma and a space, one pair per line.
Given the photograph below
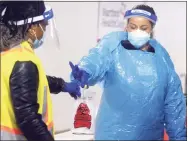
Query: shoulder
158, 47
162, 52
24, 68
111, 40
116, 35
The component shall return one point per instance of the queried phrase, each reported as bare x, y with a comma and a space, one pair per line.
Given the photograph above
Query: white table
69, 136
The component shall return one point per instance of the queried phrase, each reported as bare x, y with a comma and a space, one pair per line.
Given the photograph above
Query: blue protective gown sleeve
98, 61
175, 105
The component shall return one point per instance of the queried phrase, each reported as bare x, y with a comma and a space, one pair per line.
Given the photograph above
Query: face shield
138, 37
138, 12
48, 27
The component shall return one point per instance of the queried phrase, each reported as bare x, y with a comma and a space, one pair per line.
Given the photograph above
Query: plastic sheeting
142, 93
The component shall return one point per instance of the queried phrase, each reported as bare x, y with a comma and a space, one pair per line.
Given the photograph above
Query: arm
175, 106
56, 85
99, 59
23, 91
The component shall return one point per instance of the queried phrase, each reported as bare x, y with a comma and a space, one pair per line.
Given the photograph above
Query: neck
30, 43
145, 47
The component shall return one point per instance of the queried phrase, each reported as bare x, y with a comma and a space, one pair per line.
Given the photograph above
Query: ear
32, 32
32, 29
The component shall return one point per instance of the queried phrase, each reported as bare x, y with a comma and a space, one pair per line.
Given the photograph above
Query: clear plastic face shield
142, 13
47, 27
138, 35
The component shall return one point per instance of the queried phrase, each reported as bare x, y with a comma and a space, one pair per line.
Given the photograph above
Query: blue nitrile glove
80, 75
72, 88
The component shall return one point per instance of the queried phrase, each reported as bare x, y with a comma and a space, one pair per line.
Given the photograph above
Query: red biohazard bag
84, 114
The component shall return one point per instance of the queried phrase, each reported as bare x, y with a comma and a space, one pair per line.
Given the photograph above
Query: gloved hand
80, 75
72, 88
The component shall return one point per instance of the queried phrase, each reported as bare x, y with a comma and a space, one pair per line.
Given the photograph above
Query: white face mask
138, 38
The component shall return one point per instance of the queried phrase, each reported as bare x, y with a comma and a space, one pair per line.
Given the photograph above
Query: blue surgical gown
142, 93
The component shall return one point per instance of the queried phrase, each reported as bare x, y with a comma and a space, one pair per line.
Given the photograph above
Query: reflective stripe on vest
45, 106
9, 136
15, 134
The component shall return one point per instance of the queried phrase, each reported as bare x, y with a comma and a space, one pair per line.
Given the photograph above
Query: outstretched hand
80, 75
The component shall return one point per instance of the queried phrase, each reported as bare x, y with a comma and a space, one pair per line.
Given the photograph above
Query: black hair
146, 8
16, 11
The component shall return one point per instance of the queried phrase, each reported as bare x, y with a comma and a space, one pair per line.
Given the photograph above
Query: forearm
96, 64
175, 119
56, 85
175, 108
32, 125
100, 58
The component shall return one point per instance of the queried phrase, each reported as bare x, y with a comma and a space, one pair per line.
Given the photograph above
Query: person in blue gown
142, 93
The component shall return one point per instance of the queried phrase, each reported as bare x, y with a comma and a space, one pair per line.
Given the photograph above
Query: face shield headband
47, 15
51, 29
143, 13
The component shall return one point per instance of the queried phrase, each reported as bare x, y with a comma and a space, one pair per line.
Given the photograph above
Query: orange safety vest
9, 128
